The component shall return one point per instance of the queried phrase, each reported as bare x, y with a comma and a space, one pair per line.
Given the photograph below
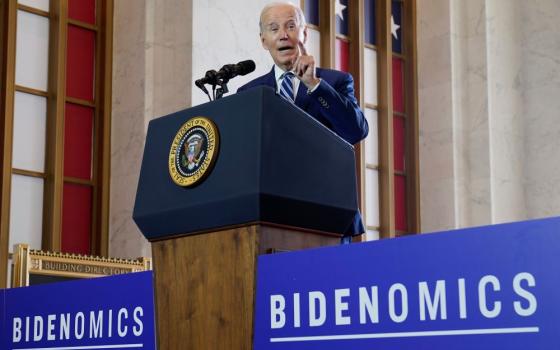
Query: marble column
540, 78
437, 173
151, 77
128, 125
505, 110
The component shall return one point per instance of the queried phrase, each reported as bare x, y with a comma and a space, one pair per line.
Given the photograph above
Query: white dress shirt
279, 75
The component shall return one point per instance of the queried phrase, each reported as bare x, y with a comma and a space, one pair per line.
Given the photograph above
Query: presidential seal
193, 151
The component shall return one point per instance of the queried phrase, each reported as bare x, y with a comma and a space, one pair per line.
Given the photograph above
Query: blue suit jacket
334, 105
333, 102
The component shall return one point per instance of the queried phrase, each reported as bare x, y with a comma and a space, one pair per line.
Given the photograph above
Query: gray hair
299, 13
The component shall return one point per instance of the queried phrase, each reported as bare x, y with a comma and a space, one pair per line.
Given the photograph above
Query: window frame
53, 175
384, 107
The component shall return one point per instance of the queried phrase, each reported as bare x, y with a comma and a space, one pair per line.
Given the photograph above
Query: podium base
205, 283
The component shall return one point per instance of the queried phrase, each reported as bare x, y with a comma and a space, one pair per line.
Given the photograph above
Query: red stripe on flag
342, 54
76, 219
398, 85
80, 63
399, 143
82, 10
78, 136
400, 203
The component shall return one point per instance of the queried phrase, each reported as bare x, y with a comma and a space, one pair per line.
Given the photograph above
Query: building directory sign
493, 287
114, 312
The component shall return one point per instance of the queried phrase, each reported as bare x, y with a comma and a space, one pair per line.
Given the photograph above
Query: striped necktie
287, 86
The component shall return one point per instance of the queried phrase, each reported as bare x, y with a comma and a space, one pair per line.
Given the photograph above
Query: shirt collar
278, 73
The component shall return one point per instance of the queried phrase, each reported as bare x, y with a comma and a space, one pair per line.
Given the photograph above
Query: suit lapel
270, 79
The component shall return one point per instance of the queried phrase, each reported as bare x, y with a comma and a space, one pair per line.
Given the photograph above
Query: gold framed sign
35, 266
193, 152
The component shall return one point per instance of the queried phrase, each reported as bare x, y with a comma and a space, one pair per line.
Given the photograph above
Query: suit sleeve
338, 105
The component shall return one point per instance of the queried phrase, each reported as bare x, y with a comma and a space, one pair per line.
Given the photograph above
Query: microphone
211, 78
230, 71
222, 76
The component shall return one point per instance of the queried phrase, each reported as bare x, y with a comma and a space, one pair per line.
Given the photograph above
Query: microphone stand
223, 89
216, 93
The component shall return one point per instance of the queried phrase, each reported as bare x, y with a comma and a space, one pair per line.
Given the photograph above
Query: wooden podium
281, 181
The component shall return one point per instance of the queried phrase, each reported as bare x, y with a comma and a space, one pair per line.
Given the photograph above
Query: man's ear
263, 42
305, 35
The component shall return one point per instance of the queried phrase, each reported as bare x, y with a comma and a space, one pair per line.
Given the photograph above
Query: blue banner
114, 312
493, 287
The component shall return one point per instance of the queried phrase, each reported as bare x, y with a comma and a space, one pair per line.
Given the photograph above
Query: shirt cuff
310, 91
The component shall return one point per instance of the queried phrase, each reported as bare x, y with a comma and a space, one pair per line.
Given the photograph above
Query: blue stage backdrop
101, 313
494, 287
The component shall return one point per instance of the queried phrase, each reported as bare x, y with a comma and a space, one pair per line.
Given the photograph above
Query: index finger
302, 48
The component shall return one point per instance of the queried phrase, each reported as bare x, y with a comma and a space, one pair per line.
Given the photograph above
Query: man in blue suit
325, 94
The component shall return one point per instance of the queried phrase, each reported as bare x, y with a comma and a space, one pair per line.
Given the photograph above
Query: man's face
281, 34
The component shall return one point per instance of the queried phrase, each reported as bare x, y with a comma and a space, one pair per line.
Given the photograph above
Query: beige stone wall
488, 74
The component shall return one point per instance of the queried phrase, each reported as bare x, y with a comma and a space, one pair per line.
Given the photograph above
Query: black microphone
232, 70
211, 78
223, 76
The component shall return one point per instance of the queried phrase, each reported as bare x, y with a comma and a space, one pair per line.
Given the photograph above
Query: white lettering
404, 303
96, 325
314, 319
16, 333
110, 328
462, 298
67, 326
297, 316
139, 327
122, 330
525, 294
27, 322
64, 326
37, 328
340, 306
79, 325
369, 304
277, 315
432, 305
50, 327
497, 307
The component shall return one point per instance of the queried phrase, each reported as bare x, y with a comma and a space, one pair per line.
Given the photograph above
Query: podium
281, 181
